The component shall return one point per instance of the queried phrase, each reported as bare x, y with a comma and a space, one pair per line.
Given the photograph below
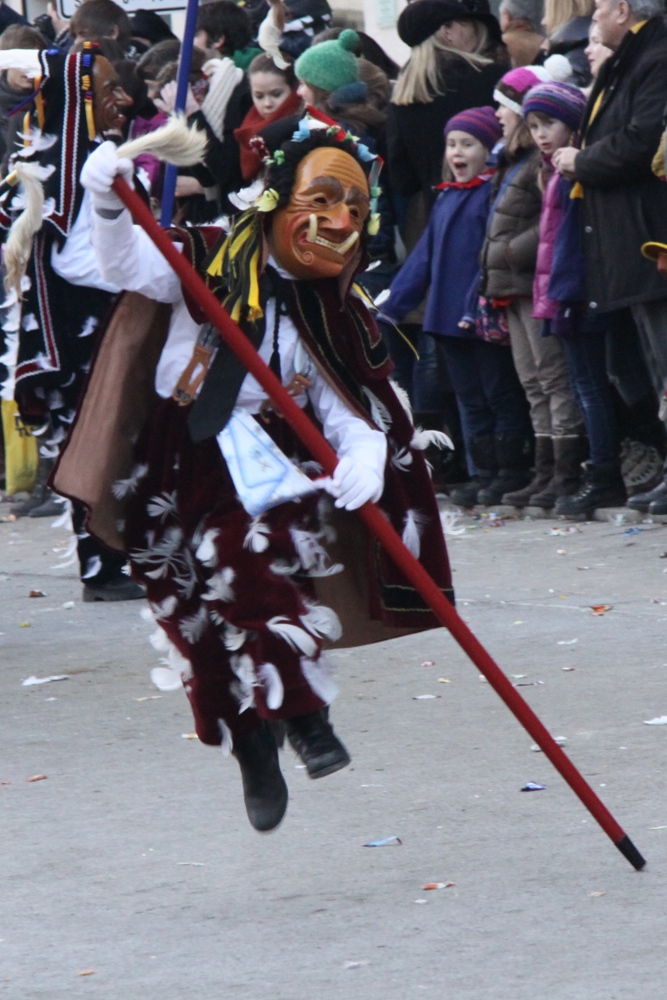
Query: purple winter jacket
551, 219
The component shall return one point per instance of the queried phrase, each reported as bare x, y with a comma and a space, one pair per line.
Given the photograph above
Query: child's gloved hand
100, 171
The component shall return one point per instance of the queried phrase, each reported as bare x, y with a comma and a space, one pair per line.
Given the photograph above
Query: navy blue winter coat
445, 262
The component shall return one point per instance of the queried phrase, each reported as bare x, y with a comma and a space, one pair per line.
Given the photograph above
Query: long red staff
377, 524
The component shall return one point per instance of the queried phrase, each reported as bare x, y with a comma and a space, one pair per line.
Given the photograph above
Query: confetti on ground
650, 827
568, 670
599, 893
560, 740
86, 972
355, 964
192, 864
36, 593
424, 697
68, 605
444, 680
567, 642
149, 697
600, 609
387, 842
30, 681
438, 885
518, 677
519, 622
25, 624
8, 518
189, 736
421, 901
533, 786
632, 531
661, 720
37, 777
561, 552
428, 663
5, 782
569, 530
528, 684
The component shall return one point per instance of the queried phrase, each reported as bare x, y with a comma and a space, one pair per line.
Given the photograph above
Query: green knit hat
330, 65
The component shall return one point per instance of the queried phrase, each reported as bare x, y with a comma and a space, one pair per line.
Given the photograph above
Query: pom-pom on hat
422, 18
561, 101
478, 122
513, 87
330, 65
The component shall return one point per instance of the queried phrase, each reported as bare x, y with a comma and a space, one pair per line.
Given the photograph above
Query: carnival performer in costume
62, 297
220, 508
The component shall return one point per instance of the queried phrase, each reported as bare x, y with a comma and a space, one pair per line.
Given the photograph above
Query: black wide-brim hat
422, 18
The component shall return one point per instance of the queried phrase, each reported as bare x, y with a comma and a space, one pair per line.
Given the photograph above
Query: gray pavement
133, 859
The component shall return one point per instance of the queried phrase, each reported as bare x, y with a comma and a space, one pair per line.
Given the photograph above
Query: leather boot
569, 454
313, 739
264, 788
544, 470
483, 455
40, 494
514, 456
603, 486
654, 501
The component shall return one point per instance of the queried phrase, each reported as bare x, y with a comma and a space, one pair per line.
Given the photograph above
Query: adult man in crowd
520, 25
624, 204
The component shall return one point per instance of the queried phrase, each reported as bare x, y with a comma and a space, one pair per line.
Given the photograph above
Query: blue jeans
586, 357
487, 388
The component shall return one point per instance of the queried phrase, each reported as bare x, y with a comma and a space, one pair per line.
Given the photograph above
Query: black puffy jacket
624, 204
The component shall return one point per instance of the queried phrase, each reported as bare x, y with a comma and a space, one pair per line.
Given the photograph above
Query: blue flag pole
184, 62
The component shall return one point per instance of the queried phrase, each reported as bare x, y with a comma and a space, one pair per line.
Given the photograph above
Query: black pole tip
629, 851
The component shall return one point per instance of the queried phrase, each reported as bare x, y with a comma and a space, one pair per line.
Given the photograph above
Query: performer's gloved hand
99, 172
354, 483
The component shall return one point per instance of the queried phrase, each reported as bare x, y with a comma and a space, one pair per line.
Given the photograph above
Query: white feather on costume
282, 568
207, 553
220, 586
93, 567
448, 520
234, 638
402, 460
162, 506
319, 674
271, 681
29, 322
89, 327
242, 690
414, 525
379, 411
159, 641
256, 537
67, 556
296, 638
402, 397
322, 621
192, 627
312, 556
125, 487
164, 609
227, 743
421, 439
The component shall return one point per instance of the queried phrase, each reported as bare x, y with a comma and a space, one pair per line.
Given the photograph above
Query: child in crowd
553, 113
274, 96
445, 263
509, 257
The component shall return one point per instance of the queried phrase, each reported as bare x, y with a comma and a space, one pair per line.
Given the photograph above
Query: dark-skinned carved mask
109, 98
318, 233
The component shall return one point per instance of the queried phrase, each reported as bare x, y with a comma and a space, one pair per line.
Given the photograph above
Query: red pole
378, 525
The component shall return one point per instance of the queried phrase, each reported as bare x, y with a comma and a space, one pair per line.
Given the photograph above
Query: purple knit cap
561, 101
478, 122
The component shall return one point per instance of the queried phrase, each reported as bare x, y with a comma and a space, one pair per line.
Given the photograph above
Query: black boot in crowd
654, 501
264, 789
483, 454
514, 458
313, 739
569, 455
544, 471
603, 486
42, 500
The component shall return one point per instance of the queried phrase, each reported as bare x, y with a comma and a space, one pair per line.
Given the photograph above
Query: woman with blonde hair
567, 24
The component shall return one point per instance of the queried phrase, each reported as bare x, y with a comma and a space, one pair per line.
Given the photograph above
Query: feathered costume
243, 601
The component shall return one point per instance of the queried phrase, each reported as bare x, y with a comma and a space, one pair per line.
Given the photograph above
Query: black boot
603, 487
483, 455
313, 739
40, 493
544, 470
264, 788
569, 454
658, 495
514, 458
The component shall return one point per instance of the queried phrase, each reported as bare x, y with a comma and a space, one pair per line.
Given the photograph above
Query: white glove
353, 483
99, 172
